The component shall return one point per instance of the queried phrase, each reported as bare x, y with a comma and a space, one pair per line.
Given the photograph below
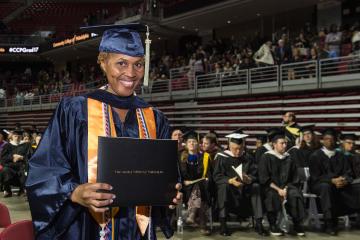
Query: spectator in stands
19, 98
246, 63
278, 177
283, 53
238, 194
330, 175
194, 167
2, 96
291, 128
333, 40
264, 57
14, 157
355, 40
311, 68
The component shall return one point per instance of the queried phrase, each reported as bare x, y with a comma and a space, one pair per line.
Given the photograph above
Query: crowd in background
285, 165
285, 46
221, 56
29, 83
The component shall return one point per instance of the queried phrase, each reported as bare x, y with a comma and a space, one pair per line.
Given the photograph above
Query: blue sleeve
53, 173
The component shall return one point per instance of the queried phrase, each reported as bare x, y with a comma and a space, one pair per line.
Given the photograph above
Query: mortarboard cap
261, 137
307, 128
275, 134
349, 136
18, 131
124, 39
4, 133
237, 136
330, 131
215, 133
191, 134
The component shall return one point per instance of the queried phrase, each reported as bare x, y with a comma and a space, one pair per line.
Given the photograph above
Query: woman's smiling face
123, 73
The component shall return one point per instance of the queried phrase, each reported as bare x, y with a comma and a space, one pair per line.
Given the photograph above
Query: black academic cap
4, 133
330, 131
275, 134
261, 137
348, 136
307, 128
18, 131
191, 134
237, 136
215, 133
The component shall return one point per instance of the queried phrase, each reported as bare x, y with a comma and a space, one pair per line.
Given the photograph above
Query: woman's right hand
88, 196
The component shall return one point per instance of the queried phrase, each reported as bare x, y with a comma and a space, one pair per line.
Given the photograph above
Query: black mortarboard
349, 136
124, 39
330, 131
275, 134
307, 128
215, 133
237, 136
261, 137
4, 133
191, 134
18, 131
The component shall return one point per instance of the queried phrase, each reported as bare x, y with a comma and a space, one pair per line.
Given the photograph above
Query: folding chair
4, 216
20, 230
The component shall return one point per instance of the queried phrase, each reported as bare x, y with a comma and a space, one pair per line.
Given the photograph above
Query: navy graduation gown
59, 165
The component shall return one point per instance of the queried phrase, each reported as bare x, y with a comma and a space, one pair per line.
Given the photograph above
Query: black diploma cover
141, 171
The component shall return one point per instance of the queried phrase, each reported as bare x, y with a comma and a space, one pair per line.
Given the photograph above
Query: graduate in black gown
278, 177
267, 146
236, 194
3, 142
61, 198
309, 143
14, 159
194, 167
331, 178
259, 142
348, 148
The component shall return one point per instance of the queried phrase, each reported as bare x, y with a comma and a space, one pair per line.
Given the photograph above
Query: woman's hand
178, 199
88, 196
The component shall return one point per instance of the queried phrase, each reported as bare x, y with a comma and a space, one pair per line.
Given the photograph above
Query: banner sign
74, 39
19, 50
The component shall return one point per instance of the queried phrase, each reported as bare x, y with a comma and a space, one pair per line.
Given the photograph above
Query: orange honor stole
101, 123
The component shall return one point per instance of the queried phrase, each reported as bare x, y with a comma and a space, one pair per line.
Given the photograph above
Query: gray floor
19, 210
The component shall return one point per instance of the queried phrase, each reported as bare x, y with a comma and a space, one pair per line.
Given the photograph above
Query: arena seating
338, 109
8, 7
64, 16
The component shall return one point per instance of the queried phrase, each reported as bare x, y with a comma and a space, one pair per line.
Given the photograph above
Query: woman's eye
139, 65
122, 63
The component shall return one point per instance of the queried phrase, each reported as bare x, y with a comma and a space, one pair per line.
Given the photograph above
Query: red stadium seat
5, 220
22, 230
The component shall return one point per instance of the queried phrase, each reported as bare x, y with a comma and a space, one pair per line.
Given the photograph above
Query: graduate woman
63, 193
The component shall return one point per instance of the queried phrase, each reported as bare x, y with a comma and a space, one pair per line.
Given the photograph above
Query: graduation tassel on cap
147, 57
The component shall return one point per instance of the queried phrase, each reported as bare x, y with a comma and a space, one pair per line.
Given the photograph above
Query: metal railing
343, 71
